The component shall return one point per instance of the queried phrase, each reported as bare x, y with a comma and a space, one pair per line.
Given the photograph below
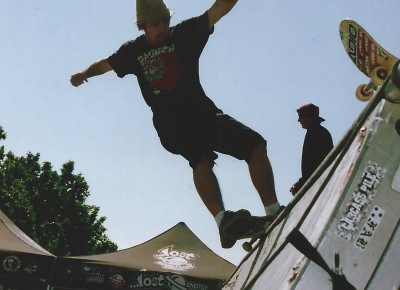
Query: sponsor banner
89, 276
25, 265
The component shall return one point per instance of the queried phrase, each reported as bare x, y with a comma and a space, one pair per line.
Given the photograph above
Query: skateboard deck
369, 57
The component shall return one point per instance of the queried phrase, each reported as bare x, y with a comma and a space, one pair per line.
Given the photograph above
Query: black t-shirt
168, 76
317, 145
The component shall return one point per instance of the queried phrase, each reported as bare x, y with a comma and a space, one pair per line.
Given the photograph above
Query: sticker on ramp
369, 228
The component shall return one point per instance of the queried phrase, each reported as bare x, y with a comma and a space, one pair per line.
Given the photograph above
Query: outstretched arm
219, 9
95, 69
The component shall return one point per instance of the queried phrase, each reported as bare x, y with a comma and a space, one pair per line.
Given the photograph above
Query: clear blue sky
264, 60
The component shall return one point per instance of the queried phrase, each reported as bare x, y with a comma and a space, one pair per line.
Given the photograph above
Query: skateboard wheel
247, 247
379, 74
362, 94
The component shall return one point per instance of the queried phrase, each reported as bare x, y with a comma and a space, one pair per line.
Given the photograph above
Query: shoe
227, 241
247, 226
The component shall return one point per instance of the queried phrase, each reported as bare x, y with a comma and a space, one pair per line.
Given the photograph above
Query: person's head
153, 16
309, 115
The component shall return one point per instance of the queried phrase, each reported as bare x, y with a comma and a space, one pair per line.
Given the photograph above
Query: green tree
50, 207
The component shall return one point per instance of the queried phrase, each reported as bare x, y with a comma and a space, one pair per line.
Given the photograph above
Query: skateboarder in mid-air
165, 61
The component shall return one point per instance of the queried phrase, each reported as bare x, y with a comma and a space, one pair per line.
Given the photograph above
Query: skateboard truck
392, 89
370, 58
248, 246
259, 230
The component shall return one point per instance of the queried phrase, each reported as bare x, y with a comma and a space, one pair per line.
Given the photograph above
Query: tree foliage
50, 207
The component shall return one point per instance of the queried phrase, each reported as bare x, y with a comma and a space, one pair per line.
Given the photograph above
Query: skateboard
252, 227
369, 57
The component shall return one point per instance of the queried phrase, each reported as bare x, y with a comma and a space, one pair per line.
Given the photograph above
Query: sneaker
229, 217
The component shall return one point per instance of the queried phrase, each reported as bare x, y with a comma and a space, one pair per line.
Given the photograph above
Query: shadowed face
157, 32
305, 121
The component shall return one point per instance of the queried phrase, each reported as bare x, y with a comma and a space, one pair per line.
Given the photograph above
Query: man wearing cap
165, 61
317, 143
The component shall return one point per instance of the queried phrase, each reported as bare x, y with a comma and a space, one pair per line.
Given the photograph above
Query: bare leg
207, 185
262, 175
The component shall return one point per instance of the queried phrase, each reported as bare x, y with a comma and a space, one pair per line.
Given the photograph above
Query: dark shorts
196, 136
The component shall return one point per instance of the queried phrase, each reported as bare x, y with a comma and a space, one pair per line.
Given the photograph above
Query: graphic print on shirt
162, 68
